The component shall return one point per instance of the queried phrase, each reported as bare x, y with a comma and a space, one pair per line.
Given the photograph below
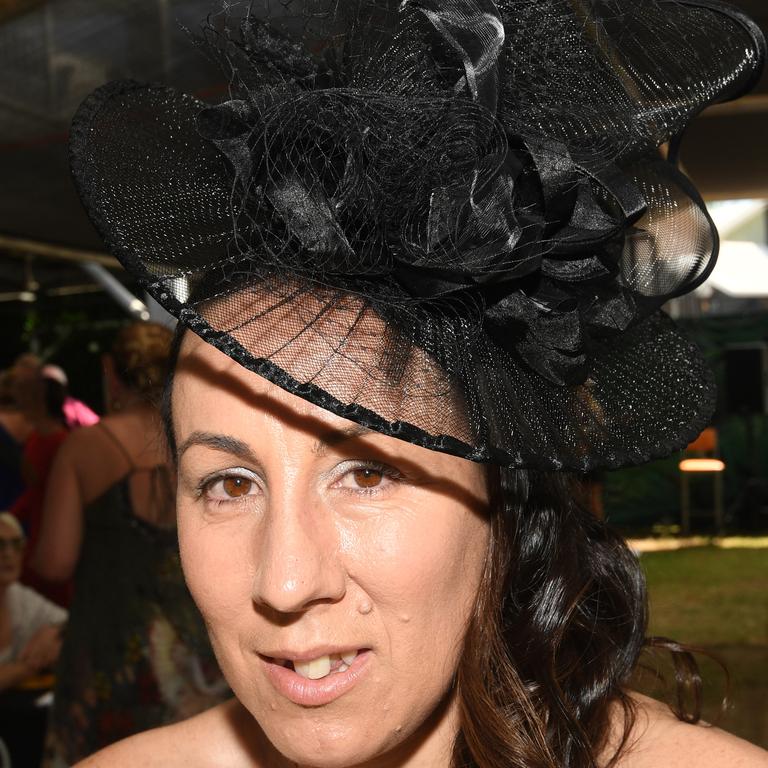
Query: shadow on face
453, 477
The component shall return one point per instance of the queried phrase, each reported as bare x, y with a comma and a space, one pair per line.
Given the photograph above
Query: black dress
135, 652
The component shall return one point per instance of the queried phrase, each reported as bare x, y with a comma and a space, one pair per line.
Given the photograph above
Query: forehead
212, 383
210, 387
9, 531
341, 345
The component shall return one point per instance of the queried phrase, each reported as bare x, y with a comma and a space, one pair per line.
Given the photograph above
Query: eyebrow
337, 436
225, 443
233, 445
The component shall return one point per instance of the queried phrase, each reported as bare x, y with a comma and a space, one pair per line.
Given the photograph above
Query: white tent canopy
742, 266
741, 271
729, 215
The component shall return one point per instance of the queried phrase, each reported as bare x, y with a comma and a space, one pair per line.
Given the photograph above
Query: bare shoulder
91, 450
81, 454
82, 442
96, 437
659, 738
169, 746
213, 739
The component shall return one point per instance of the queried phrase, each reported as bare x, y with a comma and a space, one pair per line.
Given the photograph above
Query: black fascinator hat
451, 221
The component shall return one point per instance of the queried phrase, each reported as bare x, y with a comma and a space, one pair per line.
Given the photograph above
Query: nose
298, 556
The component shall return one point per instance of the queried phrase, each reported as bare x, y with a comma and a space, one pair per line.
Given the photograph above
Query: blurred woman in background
135, 652
40, 392
29, 624
30, 642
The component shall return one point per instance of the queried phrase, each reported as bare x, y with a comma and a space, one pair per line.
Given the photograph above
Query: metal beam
73, 290
127, 301
20, 247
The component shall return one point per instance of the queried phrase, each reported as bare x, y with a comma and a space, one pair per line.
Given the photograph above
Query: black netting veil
453, 222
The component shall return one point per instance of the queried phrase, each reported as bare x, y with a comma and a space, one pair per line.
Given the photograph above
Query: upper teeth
314, 669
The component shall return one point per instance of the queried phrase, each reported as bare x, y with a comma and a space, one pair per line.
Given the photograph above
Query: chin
319, 743
328, 753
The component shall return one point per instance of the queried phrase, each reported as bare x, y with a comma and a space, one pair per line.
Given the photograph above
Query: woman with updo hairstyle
418, 255
138, 365
135, 653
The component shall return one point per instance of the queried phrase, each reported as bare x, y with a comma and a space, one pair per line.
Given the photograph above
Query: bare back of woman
129, 445
135, 653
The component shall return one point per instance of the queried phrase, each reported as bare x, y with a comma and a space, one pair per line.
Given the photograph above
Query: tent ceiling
53, 52
50, 58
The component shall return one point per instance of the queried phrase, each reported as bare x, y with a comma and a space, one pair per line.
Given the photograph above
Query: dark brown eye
236, 486
368, 478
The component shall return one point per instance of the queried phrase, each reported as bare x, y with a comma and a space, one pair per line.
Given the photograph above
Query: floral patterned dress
135, 652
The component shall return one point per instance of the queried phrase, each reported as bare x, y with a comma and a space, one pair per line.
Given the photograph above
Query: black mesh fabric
448, 221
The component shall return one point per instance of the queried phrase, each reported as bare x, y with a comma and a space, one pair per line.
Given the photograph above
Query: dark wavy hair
557, 630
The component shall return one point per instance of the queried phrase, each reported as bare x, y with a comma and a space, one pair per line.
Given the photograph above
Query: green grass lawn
717, 598
709, 596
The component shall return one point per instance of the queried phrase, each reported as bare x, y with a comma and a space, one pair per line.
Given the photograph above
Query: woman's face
11, 551
336, 568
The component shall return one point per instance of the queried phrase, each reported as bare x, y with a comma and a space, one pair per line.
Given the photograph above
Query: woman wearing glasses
29, 623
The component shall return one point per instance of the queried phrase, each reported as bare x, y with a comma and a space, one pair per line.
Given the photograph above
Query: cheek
218, 568
15, 564
421, 572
